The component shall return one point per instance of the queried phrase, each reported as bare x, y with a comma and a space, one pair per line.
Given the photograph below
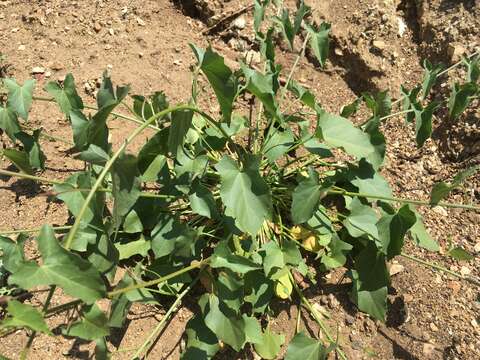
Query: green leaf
259, 13
245, 193
351, 109
302, 11
201, 341
274, 259
262, 86
460, 98
270, 345
137, 247
423, 121
19, 159
173, 237
336, 254
305, 96
320, 41
67, 97
12, 252
94, 155
220, 77
278, 144
362, 220
303, 347
151, 158
305, 198
441, 190
429, 77
286, 27
473, 69
9, 122
202, 201
93, 325
31, 146
20, 97
392, 230
101, 350
80, 126
258, 290
181, 122
223, 258
380, 103
126, 186
460, 254
225, 324
370, 282
420, 235
76, 276
337, 131
369, 181
24, 315
409, 99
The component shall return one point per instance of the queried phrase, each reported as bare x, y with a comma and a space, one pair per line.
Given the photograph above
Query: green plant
245, 206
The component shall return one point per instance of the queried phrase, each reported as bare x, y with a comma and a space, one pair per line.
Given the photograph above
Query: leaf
305, 198
151, 158
409, 99
101, 350
283, 285
392, 230
31, 146
423, 121
420, 235
137, 247
12, 252
369, 181
441, 190
67, 97
9, 122
80, 126
220, 77
259, 13
24, 315
258, 290
20, 97
305, 96
336, 254
278, 144
262, 86
223, 322
351, 109
302, 11
429, 77
245, 193
362, 220
460, 98
286, 27
380, 103
181, 122
270, 345
93, 325
303, 347
76, 276
94, 155
19, 159
370, 282
201, 341
223, 258
202, 201
340, 132
473, 69
460, 254
273, 258
173, 237
126, 186
320, 41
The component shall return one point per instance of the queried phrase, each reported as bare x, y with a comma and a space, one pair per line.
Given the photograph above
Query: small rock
379, 45
140, 54
48, 74
433, 327
465, 271
356, 345
455, 286
338, 52
332, 301
402, 27
349, 320
240, 23
177, 62
252, 57
440, 211
476, 248
396, 269
428, 349
140, 22
14, 30
97, 27
38, 70
407, 298
21, 48
57, 66
474, 323
111, 31
88, 88
455, 52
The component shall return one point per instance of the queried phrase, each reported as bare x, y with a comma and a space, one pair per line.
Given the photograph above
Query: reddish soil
377, 45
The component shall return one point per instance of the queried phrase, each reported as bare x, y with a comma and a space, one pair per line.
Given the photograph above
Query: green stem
57, 182
396, 114
406, 201
63, 307
194, 265
165, 318
319, 321
470, 279
36, 230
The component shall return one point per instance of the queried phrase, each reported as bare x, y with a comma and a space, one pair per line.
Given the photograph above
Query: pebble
349, 320
177, 62
240, 23
396, 269
455, 52
38, 70
402, 27
476, 248
111, 31
465, 271
140, 22
433, 327
474, 323
21, 48
440, 211
379, 45
97, 27
332, 301
252, 57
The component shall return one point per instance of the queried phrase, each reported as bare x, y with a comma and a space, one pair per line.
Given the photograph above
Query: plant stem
406, 201
194, 265
57, 182
470, 279
165, 318
396, 114
314, 313
36, 230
